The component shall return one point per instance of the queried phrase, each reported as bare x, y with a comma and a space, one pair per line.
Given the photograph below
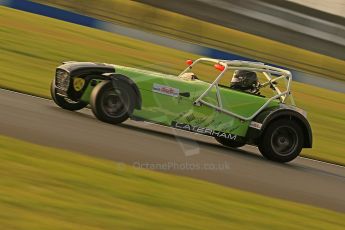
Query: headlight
62, 80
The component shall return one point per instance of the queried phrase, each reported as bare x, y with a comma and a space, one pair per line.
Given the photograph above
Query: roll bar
268, 71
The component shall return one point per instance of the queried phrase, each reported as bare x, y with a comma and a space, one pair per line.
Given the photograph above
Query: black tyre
230, 143
63, 102
112, 103
282, 141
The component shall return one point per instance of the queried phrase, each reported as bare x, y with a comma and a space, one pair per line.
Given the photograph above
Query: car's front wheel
112, 103
63, 102
282, 141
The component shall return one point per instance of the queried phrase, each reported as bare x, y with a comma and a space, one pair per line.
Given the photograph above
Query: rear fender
263, 120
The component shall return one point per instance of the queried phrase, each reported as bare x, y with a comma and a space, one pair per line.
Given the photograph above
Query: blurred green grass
32, 46
177, 26
47, 188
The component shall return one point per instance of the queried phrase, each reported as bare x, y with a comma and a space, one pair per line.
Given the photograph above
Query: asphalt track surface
156, 147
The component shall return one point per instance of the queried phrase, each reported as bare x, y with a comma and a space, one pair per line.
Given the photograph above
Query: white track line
324, 162
30, 95
305, 158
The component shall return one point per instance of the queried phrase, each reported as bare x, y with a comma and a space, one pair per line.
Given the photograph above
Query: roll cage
272, 74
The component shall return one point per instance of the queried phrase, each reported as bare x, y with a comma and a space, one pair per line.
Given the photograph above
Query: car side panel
241, 103
167, 109
158, 105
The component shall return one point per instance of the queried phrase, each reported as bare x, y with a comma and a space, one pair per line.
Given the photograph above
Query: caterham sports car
235, 114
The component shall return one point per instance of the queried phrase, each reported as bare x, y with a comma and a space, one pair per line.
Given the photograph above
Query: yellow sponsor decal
78, 84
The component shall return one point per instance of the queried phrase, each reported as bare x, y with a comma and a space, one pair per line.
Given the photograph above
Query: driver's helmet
188, 76
244, 80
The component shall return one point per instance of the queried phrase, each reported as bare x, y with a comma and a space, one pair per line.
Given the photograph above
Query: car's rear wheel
63, 102
112, 103
230, 143
282, 141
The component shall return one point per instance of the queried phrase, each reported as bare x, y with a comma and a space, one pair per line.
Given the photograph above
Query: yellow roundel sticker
78, 84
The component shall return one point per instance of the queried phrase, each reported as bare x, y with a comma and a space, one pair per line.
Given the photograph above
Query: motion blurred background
309, 41
335, 7
305, 36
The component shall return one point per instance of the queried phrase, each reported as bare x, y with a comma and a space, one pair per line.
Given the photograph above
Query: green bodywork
168, 109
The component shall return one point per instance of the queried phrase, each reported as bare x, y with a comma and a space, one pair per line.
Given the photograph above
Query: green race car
234, 114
